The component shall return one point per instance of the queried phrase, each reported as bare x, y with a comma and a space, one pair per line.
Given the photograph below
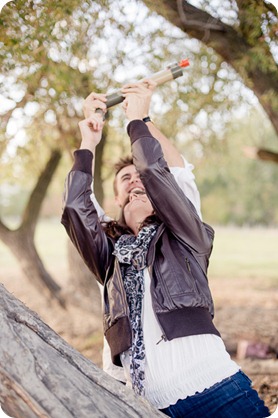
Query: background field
238, 252
243, 277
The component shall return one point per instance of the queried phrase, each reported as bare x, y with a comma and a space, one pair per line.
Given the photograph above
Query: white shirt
181, 367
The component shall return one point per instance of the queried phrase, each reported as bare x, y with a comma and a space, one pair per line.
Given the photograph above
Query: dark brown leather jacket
177, 258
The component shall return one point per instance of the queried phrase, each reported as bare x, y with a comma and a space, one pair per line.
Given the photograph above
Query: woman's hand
137, 98
91, 131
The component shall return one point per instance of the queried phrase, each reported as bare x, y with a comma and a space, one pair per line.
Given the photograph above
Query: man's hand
92, 102
91, 131
137, 98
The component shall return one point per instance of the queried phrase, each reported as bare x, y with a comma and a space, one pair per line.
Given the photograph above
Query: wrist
146, 119
88, 144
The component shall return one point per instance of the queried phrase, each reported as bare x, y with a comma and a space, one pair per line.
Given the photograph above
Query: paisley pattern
131, 252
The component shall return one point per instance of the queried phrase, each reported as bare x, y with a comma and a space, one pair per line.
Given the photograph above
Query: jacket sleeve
80, 217
167, 198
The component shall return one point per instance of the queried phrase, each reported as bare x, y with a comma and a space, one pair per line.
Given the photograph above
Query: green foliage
235, 189
53, 55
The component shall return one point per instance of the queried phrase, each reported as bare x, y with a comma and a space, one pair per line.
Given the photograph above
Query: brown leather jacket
177, 258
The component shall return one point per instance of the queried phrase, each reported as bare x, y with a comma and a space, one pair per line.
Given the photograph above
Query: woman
158, 309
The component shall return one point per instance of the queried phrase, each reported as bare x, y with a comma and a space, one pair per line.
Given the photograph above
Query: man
127, 180
126, 176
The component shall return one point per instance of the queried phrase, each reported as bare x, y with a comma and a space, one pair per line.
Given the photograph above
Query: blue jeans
231, 398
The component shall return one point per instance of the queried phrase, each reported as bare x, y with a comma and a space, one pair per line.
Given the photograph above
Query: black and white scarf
131, 252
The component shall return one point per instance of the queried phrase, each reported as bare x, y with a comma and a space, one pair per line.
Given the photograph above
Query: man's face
127, 180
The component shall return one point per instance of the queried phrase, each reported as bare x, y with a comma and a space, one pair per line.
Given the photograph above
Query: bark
232, 45
98, 165
41, 376
21, 241
266, 155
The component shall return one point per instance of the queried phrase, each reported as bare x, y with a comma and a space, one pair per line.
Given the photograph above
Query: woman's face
137, 208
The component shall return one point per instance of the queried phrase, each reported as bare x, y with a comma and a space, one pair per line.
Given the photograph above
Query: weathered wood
43, 376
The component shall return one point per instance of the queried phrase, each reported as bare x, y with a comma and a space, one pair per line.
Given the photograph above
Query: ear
117, 201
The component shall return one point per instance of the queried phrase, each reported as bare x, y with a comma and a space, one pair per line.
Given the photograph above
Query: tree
43, 94
49, 64
227, 198
245, 42
42, 376
21, 240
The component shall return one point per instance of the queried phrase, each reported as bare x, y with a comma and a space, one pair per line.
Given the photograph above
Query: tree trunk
83, 290
21, 241
21, 244
98, 165
41, 376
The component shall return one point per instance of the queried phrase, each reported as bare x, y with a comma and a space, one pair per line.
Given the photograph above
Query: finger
95, 104
124, 105
151, 84
84, 124
98, 96
95, 120
128, 85
91, 107
135, 89
96, 117
96, 126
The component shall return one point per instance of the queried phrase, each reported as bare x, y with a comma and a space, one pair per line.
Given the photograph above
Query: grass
245, 253
51, 242
238, 252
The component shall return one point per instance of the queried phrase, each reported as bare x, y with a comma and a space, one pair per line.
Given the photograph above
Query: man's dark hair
123, 162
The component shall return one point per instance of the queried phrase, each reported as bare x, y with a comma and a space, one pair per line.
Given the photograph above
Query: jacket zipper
188, 264
163, 336
194, 278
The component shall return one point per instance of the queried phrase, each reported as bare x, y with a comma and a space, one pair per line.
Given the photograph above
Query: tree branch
253, 62
266, 155
261, 154
192, 19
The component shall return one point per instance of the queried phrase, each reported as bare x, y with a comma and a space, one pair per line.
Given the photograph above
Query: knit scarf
131, 252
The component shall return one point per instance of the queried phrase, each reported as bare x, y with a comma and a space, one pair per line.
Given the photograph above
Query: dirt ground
246, 310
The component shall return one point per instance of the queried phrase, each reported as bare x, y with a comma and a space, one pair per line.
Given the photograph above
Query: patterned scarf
131, 252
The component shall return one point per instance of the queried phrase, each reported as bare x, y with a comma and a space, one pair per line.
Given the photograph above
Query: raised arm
179, 167
167, 198
80, 217
144, 91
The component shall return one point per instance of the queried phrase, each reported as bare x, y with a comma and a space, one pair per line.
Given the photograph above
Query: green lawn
245, 252
238, 252
51, 240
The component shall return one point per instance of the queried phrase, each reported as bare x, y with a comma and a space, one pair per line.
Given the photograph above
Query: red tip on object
184, 63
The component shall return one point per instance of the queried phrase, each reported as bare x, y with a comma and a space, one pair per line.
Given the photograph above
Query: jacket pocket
177, 276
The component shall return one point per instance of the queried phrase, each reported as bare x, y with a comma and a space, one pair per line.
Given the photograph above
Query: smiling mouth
137, 191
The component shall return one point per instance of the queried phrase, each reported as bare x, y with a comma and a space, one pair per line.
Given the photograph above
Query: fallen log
42, 376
